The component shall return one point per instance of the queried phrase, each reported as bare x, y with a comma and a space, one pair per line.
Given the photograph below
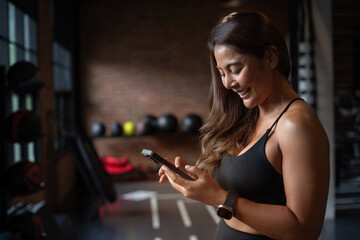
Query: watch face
224, 213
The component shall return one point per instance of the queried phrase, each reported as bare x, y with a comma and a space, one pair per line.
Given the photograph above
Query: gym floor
146, 210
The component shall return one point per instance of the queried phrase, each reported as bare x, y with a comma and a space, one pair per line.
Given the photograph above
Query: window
18, 41
63, 95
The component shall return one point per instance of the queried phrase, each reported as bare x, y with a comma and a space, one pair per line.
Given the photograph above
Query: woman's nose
229, 82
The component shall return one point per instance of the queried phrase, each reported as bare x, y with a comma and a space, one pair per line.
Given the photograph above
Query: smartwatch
226, 210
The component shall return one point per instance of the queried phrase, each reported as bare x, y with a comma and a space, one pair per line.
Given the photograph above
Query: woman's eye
237, 71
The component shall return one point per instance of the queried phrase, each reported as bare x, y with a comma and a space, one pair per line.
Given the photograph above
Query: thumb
179, 161
193, 169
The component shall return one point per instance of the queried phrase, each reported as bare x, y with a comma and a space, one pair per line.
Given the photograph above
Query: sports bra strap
286, 108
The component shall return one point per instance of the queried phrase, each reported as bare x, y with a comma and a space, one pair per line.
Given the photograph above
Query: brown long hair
230, 124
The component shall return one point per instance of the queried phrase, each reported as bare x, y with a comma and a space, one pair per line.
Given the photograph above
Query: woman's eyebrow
230, 64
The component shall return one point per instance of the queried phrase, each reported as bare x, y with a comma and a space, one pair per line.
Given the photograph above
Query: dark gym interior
87, 84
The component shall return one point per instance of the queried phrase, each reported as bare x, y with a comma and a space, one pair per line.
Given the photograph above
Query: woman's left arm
306, 170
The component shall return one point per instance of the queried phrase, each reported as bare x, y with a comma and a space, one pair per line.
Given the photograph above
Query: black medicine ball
116, 129
98, 129
167, 123
23, 178
23, 126
147, 125
191, 124
23, 78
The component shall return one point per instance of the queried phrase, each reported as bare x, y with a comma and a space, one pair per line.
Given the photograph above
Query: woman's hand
204, 189
161, 172
179, 163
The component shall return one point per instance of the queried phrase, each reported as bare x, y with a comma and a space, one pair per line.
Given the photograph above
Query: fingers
194, 173
161, 172
165, 173
179, 161
175, 180
188, 188
163, 178
193, 170
172, 176
162, 175
204, 189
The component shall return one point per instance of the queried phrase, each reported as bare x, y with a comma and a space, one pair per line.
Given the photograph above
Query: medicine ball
129, 128
147, 125
23, 126
23, 178
23, 77
98, 129
116, 129
191, 124
167, 123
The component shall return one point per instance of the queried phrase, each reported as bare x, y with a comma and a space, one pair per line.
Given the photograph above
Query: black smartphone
159, 160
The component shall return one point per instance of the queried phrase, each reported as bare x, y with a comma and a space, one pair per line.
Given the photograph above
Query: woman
265, 154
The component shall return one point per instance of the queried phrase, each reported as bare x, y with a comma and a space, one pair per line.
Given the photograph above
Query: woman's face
250, 77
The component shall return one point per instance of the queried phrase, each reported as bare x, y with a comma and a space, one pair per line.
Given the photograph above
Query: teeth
244, 91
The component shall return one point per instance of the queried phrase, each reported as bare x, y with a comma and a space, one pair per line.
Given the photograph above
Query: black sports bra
251, 174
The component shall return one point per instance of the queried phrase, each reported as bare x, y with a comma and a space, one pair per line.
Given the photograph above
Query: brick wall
145, 57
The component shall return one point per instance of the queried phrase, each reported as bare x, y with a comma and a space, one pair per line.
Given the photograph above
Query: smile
243, 92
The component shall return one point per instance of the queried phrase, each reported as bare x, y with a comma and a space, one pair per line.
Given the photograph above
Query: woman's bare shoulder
301, 121
300, 114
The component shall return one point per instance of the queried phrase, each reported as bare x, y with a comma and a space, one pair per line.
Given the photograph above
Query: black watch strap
231, 198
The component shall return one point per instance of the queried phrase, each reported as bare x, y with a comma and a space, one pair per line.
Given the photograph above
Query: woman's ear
272, 56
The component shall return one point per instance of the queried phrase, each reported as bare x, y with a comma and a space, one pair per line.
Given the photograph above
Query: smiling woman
249, 37
242, 70
265, 154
